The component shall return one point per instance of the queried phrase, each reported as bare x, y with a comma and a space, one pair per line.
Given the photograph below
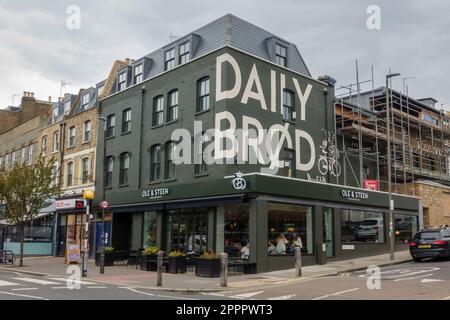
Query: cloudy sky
37, 50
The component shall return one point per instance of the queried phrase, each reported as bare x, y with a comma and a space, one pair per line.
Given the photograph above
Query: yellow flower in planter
176, 254
151, 251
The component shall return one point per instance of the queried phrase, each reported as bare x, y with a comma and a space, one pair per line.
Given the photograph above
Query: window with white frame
85, 170
87, 131
126, 120
13, 158
184, 52
169, 59
44, 146
7, 161
203, 94
85, 102
280, 55
109, 171
55, 141
30, 153
122, 81
288, 105
66, 107
69, 174
23, 155
138, 74
172, 112
110, 125
158, 111
71, 138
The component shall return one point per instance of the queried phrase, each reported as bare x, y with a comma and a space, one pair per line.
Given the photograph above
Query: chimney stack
49, 98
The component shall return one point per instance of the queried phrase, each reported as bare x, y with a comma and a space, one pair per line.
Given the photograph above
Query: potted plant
109, 257
208, 265
177, 262
149, 258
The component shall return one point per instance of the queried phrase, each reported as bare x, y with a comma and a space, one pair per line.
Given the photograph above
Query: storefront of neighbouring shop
70, 221
264, 220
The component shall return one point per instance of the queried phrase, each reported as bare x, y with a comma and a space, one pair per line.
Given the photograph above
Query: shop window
39, 230
290, 227
149, 229
236, 231
406, 227
362, 226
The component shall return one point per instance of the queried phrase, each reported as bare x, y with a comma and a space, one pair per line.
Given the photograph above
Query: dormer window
138, 74
85, 102
66, 107
122, 81
184, 52
280, 55
169, 59
100, 90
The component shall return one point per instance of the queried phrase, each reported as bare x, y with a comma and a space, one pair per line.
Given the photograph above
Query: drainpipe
140, 137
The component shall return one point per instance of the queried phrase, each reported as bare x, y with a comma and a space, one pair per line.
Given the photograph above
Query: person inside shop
296, 243
245, 251
281, 244
271, 248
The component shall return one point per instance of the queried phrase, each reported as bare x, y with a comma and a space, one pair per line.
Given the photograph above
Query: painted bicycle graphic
328, 160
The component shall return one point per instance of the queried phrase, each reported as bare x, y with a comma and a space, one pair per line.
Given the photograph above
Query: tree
26, 189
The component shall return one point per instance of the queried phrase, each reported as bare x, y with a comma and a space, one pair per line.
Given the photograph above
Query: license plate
425, 246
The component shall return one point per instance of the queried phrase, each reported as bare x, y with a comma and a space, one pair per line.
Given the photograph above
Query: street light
391, 203
102, 250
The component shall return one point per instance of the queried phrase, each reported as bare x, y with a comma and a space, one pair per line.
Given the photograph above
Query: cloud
37, 50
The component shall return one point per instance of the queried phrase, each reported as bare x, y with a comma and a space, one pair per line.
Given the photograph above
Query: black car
430, 243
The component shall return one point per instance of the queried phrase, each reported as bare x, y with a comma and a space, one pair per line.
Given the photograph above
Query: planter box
177, 264
208, 268
149, 262
109, 259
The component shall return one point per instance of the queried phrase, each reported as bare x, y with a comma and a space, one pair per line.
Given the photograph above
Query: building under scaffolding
419, 137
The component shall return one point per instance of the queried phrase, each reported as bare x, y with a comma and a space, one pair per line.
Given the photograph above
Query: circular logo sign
104, 204
88, 194
239, 183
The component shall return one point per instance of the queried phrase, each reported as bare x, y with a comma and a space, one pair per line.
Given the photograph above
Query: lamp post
102, 250
391, 204
88, 195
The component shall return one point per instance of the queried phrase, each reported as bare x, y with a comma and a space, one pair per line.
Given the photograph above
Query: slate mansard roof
228, 30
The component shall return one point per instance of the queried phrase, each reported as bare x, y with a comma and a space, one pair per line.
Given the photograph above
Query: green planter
208, 268
177, 264
109, 259
149, 262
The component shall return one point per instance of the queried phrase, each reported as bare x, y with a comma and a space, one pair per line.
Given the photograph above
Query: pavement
189, 283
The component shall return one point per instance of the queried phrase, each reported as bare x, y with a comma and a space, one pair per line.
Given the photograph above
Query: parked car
430, 243
368, 230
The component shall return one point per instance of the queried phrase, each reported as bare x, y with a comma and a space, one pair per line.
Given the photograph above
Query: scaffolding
419, 137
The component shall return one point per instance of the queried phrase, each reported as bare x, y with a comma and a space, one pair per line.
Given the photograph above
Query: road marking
335, 294
247, 295
73, 281
60, 287
446, 298
412, 278
7, 283
37, 281
23, 289
158, 295
283, 297
24, 295
213, 294
430, 280
97, 287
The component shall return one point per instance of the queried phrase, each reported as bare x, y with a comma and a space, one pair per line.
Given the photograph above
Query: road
426, 280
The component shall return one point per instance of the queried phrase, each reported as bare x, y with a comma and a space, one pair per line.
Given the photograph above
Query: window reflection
236, 234
362, 226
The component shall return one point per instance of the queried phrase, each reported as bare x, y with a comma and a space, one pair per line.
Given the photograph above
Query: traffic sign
79, 204
104, 204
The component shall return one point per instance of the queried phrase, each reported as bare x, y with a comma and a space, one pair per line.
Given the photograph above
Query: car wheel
417, 260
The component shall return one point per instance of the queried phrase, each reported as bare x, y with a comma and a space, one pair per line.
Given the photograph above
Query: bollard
159, 265
223, 269
298, 262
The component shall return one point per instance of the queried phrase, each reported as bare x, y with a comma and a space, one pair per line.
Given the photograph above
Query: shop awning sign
354, 195
155, 193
